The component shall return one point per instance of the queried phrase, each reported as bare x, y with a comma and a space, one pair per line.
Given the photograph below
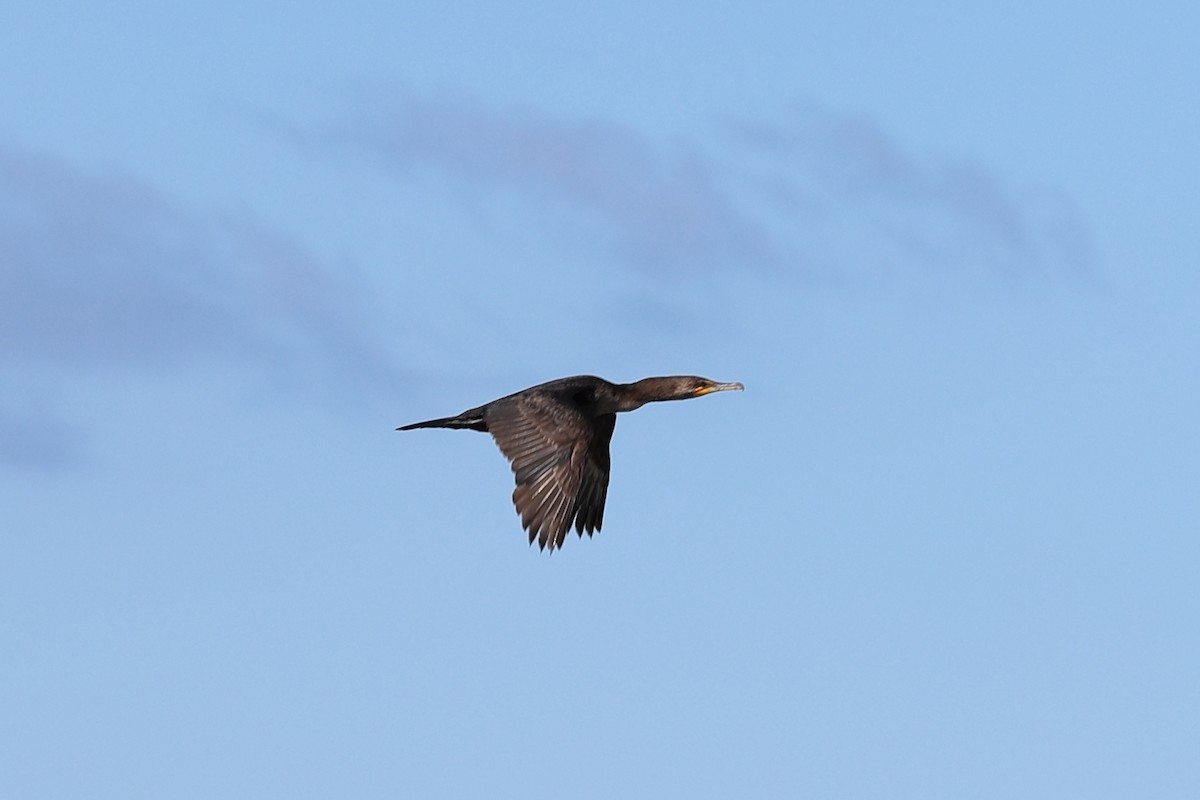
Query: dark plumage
556, 435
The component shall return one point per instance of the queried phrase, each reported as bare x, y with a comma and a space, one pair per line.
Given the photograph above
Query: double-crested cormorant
556, 435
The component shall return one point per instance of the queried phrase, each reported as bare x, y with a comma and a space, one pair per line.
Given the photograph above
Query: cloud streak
820, 193
103, 272
843, 172
662, 208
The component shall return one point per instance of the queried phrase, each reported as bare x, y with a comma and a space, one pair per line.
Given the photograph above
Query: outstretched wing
559, 456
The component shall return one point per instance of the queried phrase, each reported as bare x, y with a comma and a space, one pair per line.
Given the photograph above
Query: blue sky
943, 545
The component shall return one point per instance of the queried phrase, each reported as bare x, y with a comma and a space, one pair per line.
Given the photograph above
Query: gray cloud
662, 207
102, 271
865, 198
822, 193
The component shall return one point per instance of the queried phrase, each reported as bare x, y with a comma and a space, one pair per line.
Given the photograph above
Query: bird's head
702, 386
678, 387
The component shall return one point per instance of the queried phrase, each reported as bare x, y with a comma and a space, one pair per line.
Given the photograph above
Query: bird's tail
472, 420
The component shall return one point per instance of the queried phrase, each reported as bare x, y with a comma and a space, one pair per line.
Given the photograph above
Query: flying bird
556, 437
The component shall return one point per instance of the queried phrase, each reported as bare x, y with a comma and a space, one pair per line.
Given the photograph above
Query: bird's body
556, 436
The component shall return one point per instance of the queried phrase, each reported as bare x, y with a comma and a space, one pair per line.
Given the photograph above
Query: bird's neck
630, 403
630, 396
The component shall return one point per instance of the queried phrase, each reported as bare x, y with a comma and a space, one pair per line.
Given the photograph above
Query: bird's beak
719, 387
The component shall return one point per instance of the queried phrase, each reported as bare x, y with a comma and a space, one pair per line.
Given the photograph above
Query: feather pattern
559, 456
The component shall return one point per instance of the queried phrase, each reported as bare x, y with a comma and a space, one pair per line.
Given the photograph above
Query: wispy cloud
818, 192
862, 196
661, 208
102, 271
